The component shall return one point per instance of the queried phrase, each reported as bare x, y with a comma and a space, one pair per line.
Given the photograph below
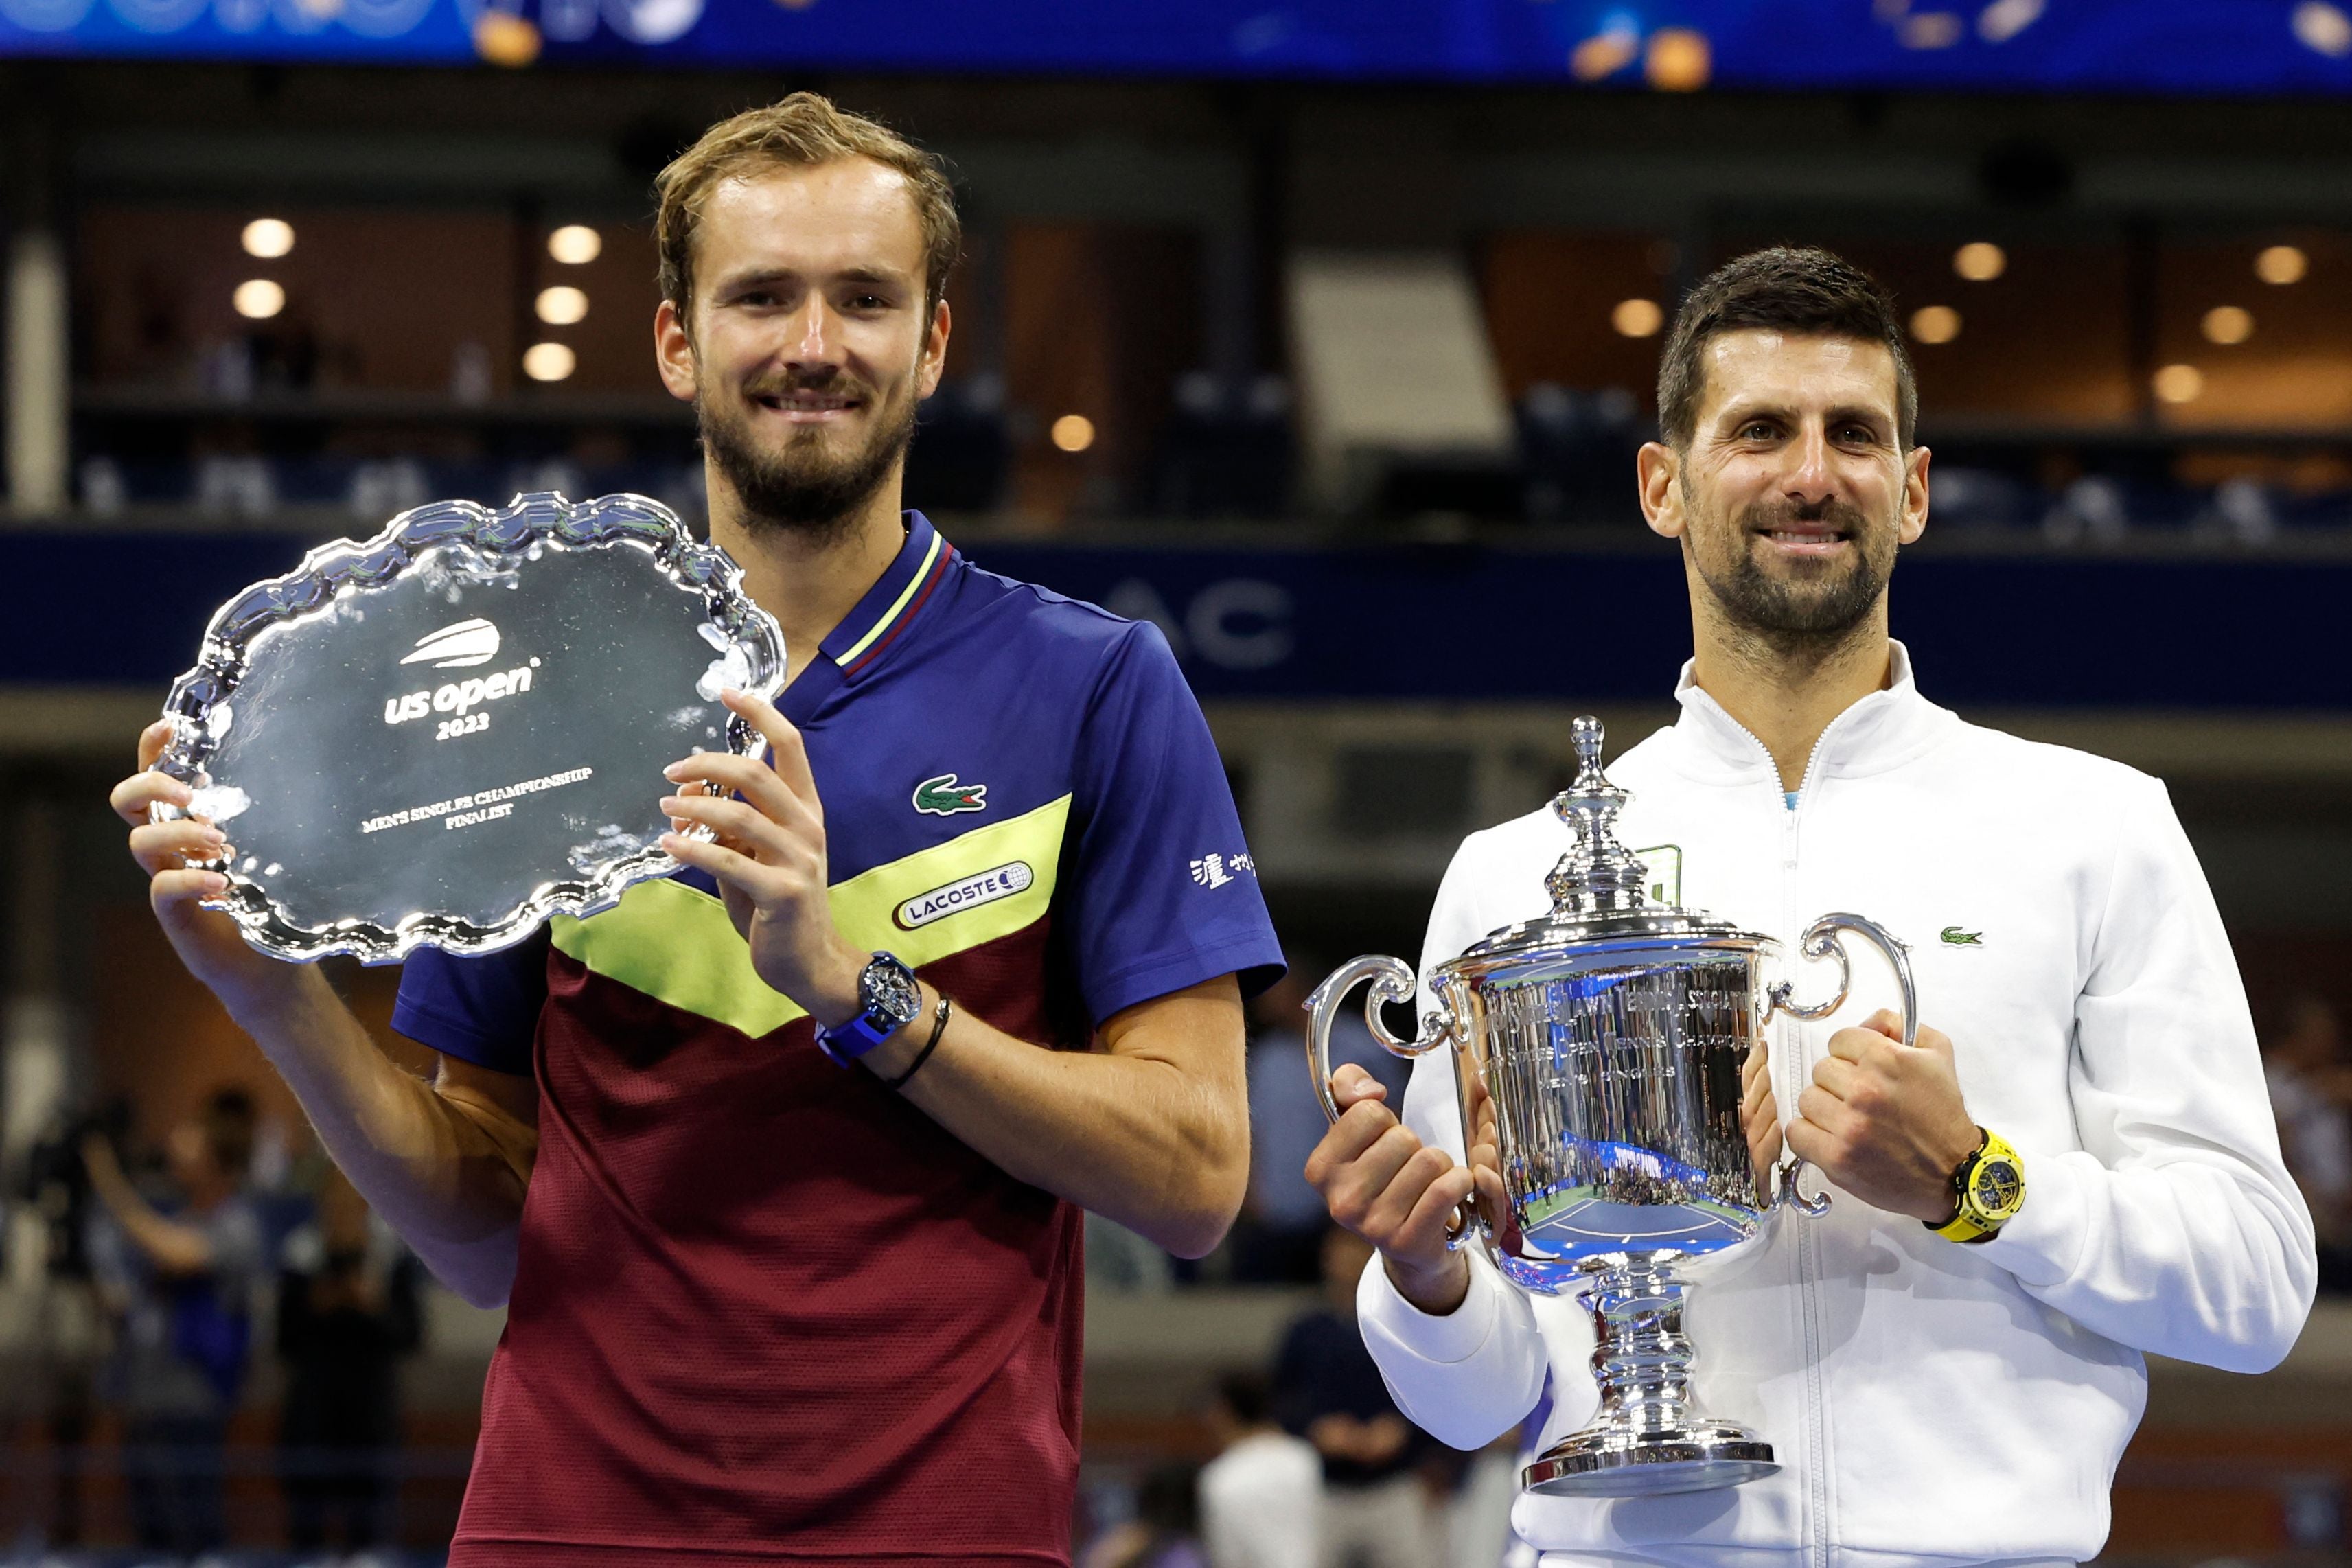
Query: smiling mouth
808, 404
1812, 540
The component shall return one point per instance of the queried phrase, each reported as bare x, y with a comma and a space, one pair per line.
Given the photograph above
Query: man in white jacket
1943, 1381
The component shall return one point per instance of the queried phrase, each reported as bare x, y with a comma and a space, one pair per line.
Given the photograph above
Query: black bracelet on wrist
939, 1028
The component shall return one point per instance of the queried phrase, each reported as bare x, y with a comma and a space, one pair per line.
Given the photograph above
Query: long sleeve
2175, 1228
1467, 1377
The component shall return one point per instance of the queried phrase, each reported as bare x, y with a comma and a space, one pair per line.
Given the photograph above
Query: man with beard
2074, 1165
778, 1165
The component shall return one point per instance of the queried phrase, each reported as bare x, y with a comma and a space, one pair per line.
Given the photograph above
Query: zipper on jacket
1809, 1266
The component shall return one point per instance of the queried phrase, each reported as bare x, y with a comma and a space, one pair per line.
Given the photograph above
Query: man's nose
1810, 476
812, 335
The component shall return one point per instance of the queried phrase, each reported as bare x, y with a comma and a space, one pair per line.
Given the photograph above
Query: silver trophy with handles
1598, 1051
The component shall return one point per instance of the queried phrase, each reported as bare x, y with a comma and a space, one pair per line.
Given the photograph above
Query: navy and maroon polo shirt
765, 1310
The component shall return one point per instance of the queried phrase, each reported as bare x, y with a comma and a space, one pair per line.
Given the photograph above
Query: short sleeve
1162, 890
483, 1010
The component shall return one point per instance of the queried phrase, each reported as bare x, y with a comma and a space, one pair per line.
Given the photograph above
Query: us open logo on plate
964, 893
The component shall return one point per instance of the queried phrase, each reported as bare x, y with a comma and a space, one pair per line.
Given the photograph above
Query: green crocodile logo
1955, 937
942, 796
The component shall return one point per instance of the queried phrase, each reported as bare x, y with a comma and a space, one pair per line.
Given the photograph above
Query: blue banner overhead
1464, 623
2161, 46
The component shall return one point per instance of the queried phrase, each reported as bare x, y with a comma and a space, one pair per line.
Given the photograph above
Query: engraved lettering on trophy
459, 696
442, 808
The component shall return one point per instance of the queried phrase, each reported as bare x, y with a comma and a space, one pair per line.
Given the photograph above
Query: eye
1758, 430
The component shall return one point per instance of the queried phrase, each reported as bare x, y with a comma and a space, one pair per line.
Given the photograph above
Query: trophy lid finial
1599, 875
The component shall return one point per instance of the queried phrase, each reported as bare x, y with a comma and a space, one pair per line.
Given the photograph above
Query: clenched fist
1885, 1120
1382, 1181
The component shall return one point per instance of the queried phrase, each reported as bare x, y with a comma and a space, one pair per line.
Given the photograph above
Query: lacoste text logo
457, 647
942, 796
980, 888
1955, 937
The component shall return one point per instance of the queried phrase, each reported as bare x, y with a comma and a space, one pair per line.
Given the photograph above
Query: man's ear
674, 353
1915, 494
1659, 469
935, 351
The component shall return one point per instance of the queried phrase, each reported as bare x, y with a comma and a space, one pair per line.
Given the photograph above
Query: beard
803, 486
1809, 606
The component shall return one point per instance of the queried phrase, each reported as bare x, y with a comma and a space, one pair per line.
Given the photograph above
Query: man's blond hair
801, 131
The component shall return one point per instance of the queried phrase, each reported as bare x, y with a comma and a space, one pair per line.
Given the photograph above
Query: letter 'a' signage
457, 729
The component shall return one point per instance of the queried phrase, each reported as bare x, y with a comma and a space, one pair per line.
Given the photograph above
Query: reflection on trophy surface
1598, 1050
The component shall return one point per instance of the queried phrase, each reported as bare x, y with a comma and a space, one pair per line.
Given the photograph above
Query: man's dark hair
1790, 289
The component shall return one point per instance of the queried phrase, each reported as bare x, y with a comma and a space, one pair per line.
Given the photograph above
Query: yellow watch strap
1973, 1221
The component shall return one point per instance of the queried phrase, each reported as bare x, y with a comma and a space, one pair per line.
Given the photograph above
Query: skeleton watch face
888, 989
1998, 1188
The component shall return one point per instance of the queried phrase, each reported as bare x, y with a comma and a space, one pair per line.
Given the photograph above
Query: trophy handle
1820, 941
1392, 981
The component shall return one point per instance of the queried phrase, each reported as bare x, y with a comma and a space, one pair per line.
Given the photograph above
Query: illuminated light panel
2179, 383
503, 39
2282, 264
1930, 30
1604, 53
2228, 325
549, 362
1679, 60
1073, 432
2322, 28
575, 245
1935, 323
561, 305
258, 299
1637, 318
268, 238
1980, 262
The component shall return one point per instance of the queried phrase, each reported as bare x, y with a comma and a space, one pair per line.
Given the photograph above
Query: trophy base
1612, 1464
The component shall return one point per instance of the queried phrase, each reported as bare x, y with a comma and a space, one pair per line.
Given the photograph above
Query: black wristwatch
889, 998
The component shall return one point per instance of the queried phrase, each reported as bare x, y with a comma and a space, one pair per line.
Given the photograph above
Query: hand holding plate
768, 853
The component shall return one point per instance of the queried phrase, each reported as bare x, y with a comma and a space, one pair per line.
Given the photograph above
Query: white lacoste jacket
1929, 1403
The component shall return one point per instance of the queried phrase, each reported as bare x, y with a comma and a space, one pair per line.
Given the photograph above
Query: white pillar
39, 384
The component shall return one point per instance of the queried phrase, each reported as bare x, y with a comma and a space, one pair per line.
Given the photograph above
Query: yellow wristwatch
1989, 1189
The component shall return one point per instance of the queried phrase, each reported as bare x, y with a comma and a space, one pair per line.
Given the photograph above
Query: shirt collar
889, 607
1882, 729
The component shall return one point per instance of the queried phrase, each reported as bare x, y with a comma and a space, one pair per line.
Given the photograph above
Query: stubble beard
803, 486
1805, 617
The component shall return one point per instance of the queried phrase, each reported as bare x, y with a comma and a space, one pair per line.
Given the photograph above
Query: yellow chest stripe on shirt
676, 944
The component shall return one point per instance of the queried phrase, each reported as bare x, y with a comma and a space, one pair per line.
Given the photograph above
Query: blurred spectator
1165, 1531
1326, 1389
1262, 1496
179, 1274
1280, 1236
347, 1312
2311, 1094
67, 1319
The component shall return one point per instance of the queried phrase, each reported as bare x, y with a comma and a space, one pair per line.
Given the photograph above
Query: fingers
133, 795
1837, 1076
1812, 1143
172, 891
725, 773
785, 752
1824, 1112
1358, 1127
1351, 1085
170, 846
730, 866
747, 829
152, 741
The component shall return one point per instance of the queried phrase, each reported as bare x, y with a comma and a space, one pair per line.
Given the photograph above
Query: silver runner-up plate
457, 729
